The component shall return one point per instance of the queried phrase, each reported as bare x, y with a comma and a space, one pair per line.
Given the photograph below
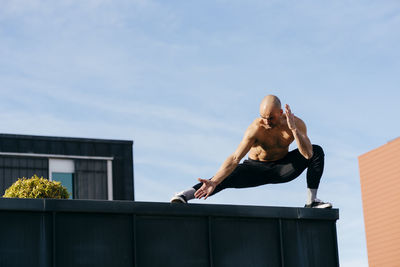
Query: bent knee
317, 150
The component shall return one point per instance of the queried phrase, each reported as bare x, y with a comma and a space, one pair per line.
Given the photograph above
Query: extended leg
247, 174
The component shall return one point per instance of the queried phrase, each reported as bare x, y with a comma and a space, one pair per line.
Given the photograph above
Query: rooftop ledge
166, 208
102, 233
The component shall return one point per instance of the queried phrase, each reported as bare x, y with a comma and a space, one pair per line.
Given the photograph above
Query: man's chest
275, 139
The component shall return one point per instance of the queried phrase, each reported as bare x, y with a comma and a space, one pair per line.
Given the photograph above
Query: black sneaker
317, 203
178, 199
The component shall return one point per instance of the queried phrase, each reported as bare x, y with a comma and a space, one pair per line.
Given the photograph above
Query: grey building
89, 168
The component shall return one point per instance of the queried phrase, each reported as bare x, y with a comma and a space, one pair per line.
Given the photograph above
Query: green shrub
36, 187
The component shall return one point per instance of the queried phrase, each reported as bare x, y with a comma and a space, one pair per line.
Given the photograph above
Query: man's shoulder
299, 120
300, 124
256, 124
256, 121
254, 127
295, 117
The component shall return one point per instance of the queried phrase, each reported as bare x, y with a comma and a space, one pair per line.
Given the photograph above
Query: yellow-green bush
36, 187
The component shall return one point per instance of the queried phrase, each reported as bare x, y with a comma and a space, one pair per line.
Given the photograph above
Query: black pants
253, 173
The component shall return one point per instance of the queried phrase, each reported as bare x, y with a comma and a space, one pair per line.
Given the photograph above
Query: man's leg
315, 167
294, 164
246, 174
250, 173
314, 173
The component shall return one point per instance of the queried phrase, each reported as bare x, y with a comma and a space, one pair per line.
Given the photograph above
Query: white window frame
60, 165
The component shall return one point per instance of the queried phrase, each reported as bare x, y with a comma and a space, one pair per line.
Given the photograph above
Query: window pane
66, 180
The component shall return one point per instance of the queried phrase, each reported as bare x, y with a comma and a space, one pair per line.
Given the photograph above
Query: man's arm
299, 130
233, 160
229, 164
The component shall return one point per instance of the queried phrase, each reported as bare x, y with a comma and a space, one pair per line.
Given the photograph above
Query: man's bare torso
271, 143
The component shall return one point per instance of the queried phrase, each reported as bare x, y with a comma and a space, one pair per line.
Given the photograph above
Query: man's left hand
290, 118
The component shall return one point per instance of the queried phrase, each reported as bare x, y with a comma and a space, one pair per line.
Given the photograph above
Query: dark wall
12, 168
121, 150
58, 233
90, 179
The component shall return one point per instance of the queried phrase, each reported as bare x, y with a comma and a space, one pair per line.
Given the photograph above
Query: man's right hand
206, 189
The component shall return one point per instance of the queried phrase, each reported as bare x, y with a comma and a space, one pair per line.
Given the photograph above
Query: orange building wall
380, 189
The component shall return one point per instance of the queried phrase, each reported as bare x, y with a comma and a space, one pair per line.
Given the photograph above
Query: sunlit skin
266, 139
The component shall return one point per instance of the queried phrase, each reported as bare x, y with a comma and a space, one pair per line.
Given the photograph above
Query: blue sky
184, 79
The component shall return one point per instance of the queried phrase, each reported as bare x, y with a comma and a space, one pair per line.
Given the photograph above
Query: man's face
272, 116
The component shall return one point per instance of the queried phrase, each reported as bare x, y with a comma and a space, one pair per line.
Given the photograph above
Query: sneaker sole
323, 206
177, 199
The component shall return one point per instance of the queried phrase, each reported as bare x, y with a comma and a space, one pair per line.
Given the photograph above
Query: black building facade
89, 168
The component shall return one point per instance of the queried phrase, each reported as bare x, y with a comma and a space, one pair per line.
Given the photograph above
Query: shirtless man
267, 141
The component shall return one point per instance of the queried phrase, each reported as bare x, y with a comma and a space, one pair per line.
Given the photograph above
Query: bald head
270, 110
270, 102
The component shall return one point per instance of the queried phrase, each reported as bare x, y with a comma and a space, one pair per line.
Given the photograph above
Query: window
83, 178
66, 179
62, 170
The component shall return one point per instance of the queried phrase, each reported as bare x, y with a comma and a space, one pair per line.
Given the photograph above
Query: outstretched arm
229, 164
299, 130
